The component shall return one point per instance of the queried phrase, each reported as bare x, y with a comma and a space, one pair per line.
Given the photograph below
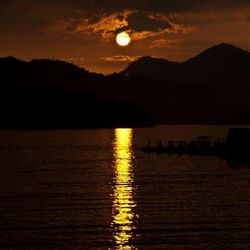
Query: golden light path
124, 191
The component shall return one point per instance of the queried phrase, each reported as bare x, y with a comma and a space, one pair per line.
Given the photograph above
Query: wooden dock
235, 147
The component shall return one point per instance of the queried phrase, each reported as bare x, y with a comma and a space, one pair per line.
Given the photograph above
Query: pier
200, 146
235, 147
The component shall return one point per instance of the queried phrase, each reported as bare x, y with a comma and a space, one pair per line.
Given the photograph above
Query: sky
83, 31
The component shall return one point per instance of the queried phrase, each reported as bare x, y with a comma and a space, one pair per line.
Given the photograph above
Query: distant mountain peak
150, 68
10, 59
215, 60
144, 58
221, 52
150, 59
226, 47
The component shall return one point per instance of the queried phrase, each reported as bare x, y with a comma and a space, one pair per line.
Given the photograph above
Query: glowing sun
123, 39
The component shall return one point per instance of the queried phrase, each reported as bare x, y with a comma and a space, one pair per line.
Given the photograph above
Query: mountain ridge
213, 87
217, 56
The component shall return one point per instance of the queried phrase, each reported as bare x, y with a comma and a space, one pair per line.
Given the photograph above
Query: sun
123, 39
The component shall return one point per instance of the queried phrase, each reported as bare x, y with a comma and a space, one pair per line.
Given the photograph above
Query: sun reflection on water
123, 192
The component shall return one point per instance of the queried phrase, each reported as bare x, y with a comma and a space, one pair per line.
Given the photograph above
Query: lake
96, 189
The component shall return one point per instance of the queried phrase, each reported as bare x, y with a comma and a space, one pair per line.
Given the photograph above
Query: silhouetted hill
45, 73
155, 69
221, 62
212, 87
46, 94
222, 53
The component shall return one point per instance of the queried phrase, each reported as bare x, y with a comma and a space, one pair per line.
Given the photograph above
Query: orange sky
83, 32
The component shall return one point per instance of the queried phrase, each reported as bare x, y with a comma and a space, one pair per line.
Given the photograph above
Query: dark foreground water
98, 190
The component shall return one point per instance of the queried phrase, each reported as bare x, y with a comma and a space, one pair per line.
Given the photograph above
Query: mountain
45, 74
210, 88
223, 54
221, 62
150, 68
51, 94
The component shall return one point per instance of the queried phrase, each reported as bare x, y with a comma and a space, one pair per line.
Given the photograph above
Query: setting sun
123, 39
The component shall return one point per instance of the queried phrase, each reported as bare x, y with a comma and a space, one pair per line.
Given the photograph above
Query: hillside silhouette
51, 94
212, 87
223, 62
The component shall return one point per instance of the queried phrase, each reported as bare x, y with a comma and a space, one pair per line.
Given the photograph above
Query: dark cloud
142, 22
140, 25
26, 14
154, 5
106, 6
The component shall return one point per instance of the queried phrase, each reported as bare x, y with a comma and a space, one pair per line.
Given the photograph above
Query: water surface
98, 190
